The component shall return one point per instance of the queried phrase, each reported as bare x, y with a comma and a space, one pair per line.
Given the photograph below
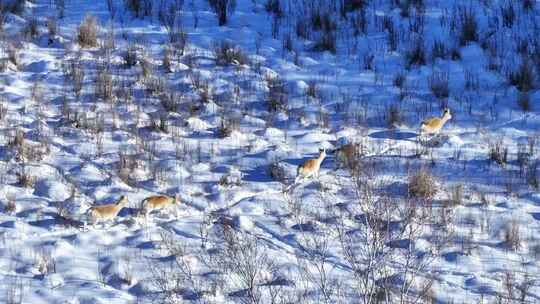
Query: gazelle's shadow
393, 134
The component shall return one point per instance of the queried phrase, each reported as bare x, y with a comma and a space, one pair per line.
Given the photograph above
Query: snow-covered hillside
220, 101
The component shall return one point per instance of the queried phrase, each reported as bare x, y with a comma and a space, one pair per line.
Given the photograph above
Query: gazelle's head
122, 201
177, 198
446, 114
322, 153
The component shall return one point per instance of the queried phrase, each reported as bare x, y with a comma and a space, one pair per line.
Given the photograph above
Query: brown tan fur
107, 212
434, 125
311, 166
158, 202
346, 155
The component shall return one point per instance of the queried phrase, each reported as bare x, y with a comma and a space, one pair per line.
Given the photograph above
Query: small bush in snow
532, 175
130, 56
422, 185
512, 237
416, 54
399, 79
498, 152
25, 179
273, 7
456, 195
228, 125
223, 9
524, 101
528, 4
438, 83
139, 8
13, 54
277, 97
160, 123
439, 50
31, 30
523, 78
326, 42
277, 172
10, 206
87, 32
468, 26
393, 115
167, 60
45, 262
15, 7
508, 14
232, 178
104, 83
227, 53
52, 28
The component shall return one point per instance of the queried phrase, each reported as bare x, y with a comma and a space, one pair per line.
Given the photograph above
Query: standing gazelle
434, 125
310, 167
107, 212
159, 202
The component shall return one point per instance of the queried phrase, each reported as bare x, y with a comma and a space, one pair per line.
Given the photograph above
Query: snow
231, 202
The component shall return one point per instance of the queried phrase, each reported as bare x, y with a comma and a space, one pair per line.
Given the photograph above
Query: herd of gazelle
347, 153
309, 168
110, 211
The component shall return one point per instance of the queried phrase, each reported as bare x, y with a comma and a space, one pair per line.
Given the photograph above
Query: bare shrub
167, 60
45, 262
15, 290
508, 14
439, 50
227, 53
103, 86
438, 84
422, 185
456, 195
10, 206
524, 101
139, 8
532, 175
25, 179
393, 115
155, 85
227, 126
273, 7
75, 71
87, 32
512, 235
223, 9
130, 56
523, 78
60, 7
528, 5
160, 123
498, 152
15, 7
52, 28
277, 171
468, 25
31, 29
326, 42
399, 79
277, 97
13, 54
416, 54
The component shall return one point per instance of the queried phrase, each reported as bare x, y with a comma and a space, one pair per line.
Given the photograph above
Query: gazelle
310, 167
434, 125
107, 212
347, 154
159, 202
